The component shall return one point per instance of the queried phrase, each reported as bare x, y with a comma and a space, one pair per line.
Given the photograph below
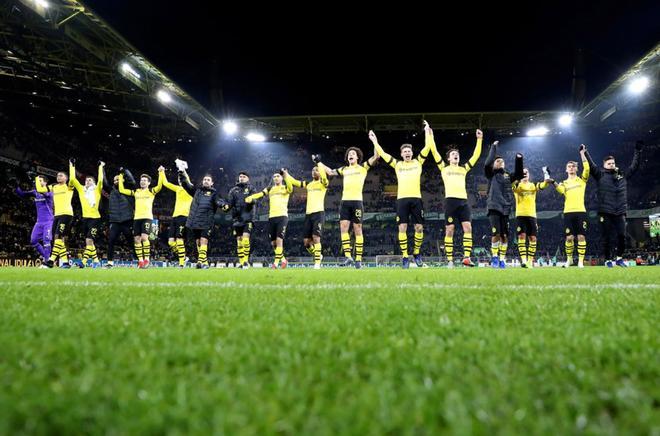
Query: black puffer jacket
203, 207
612, 186
120, 206
241, 211
500, 191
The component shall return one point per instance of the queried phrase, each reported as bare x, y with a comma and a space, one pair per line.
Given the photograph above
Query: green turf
480, 351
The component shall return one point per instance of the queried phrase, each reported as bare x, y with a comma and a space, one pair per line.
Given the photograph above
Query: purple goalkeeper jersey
43, 203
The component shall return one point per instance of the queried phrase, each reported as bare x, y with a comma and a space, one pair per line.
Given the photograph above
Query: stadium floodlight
163, 96
255, 137
127, 69
538, 131
639, 85
566, 120
42, 3
229, 127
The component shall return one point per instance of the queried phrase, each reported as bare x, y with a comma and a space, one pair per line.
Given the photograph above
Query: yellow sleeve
99, 180
156, 189
293, 181
169, 185
585, 170
386, 156
287, 184
121, 187
258, 195
561, 189
42, 189
542, 185
429, 142
424, 153
73, 181
516, 186
324, 176
340, 171
476, 154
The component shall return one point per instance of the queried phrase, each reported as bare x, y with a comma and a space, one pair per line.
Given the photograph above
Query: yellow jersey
453, 176
89, 201
144, 198
183, 199
354, 177
316, 190
525, 194
573, 190
62, 195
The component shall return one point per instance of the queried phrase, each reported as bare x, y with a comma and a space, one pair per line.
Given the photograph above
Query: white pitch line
78, 285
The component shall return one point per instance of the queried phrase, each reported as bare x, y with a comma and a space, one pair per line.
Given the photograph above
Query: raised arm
372, 160
161, 176
379, 150
169, 185
40, 189
106, 184
129, 180
287, 184
290, 179
122, 189
490, 160
595, 170
518, 168
73, 180
101, 177
585, 163
429, 142
186, 183
328, 171
256, 196
477, 150
324, 177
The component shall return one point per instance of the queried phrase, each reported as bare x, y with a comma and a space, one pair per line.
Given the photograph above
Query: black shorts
313, 225
575, 223
92, 227
242, 227
351, 210
409, 210
457, 210
499, 223
202, 233
62, 225
178, 227
141, 226
526, 225
277, 227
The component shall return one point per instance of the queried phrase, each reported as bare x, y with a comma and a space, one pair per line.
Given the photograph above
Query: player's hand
427, 129
72, 161
639, 145
32, 175
161, 168
496, 143
316, 158
101, 163
248, 199
372, 136
285, 172
480, 134
582, 148
519, 155
225, 208
552, 181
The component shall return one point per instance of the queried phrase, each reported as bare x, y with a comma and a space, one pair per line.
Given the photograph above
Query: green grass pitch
376, 351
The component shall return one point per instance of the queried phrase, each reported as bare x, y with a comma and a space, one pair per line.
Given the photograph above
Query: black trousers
116, 230
612, 234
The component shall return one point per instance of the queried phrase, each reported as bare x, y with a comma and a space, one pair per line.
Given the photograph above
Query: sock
240, 250
58, 246
87, 253
246, 250
138, 250
317, 253
495, 249
503, 247
173, 247
581, 249
359, 247
419, 238
522, 248
346, 244
310, 249
202, 254
467, 245
569, 246
181, 251
279, 253
146, 249
64, 256
449, 248
403, 244
531, 251
94, 255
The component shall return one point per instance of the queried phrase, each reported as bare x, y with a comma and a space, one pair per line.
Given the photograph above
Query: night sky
339, 58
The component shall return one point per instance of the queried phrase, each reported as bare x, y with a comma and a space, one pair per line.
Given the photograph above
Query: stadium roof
59, 56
